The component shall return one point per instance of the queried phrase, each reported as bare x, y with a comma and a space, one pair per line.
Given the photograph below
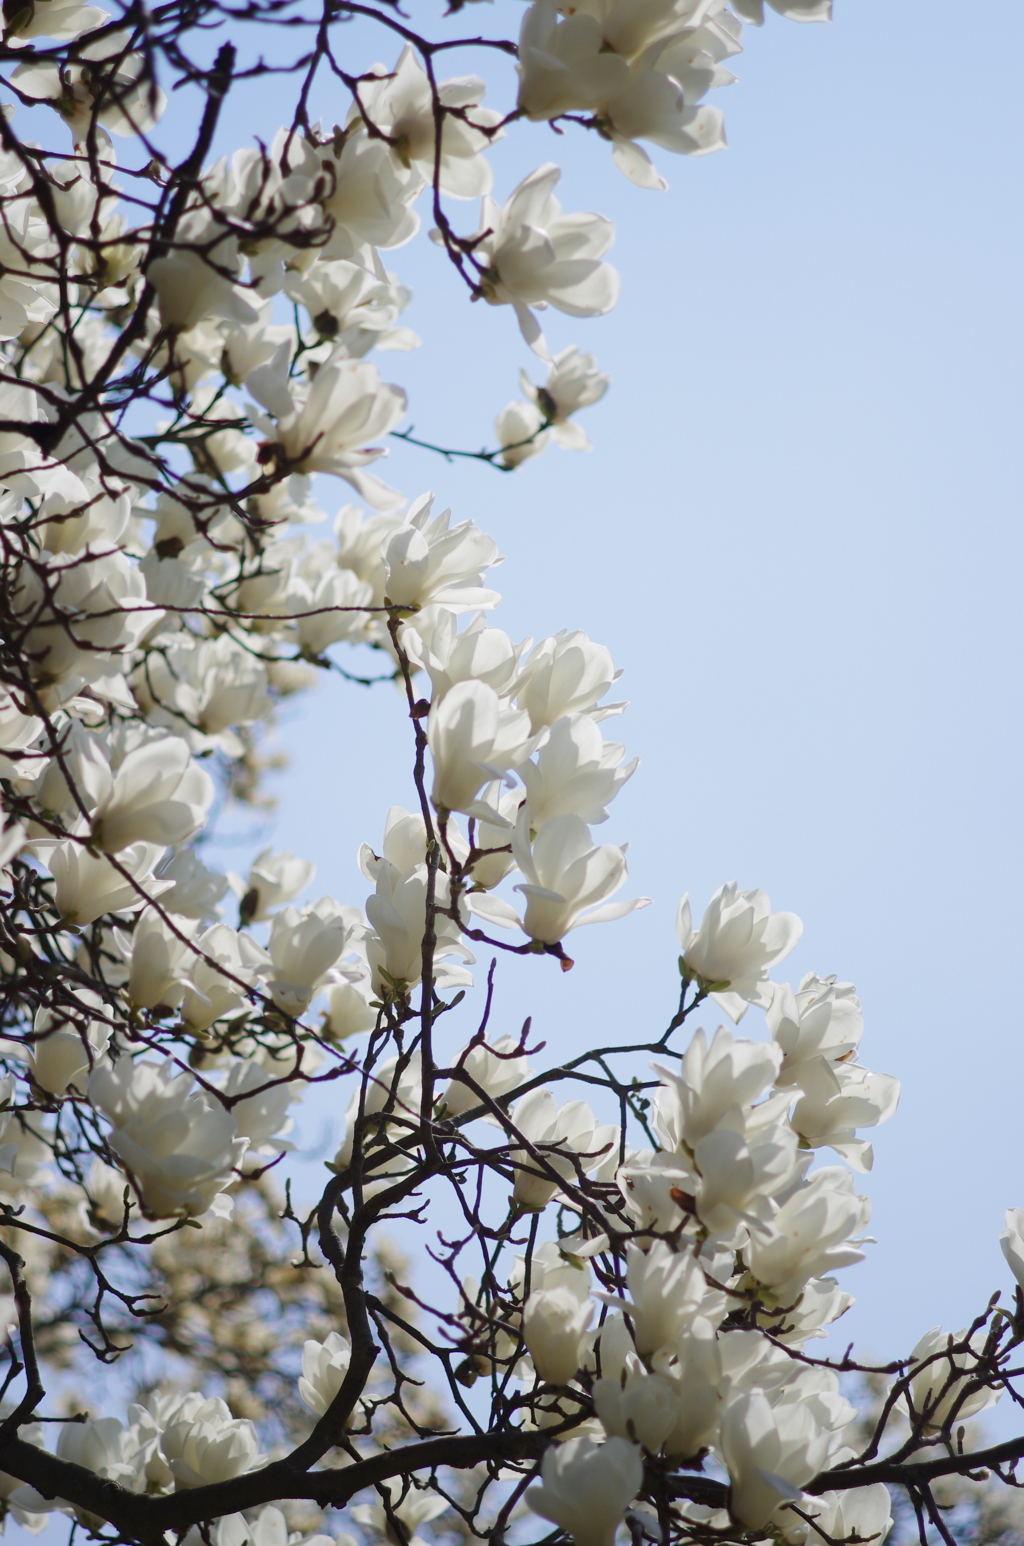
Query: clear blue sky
799, 534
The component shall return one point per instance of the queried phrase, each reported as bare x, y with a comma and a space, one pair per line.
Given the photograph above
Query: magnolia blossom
812, 1232
522, 432
479, 653
536, 256
566, 674
566, 1140
349, 1012
565, 877
415, 1509
496, 1069
586, 1487
639, 1406
303, 947
739, 940
426, 563
712, 1079
273, 880
574, 382
261, 1116
771, 1454
821, 1019
555, 1332
666, 1289
179, 1145
158, 795
941, 1379
397, 912
402, 105
796, 10
324, 1366
837, 1099
328, 430
576, 772
88, 885
472, 740
195, 891
1011, 1242
862, 1513
69, 1042
331, 609
225, 965
206, 1444
190, 288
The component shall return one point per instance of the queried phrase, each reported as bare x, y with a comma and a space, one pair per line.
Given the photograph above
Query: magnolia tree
629, 1254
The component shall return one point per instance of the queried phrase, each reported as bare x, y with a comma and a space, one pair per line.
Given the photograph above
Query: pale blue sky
799, 534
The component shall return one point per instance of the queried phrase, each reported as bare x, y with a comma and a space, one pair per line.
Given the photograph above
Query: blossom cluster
184, 376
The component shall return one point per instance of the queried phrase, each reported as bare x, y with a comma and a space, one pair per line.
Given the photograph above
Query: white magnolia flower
158, 795
940, 1379
535, 256
821, 1019
368, 196
729, 1073
795, 10
586, 1487
666, 1288
303, 947
555, 1331
330, 609
356, 306
262, 1115
861, 1513
564, 65
495, 1069
739, 940
189, 288
566, 674
576, 773
87, 885
812, 1232
522, 432
837, 1099
195, 891
574, 382
402, 106
694, 1369
395, 1083
180, 1146
349, 1012
61, 20
99, 1445
1011, 1242
415, 1509
225, 966
324, 1366
566, 876
640, 1407
81, 614
426, 563
771, 1453
329, 427
206, 1444
397, 912
566, 1140
741, 1166
70, 1040
479, 653
473, 739
273, 880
